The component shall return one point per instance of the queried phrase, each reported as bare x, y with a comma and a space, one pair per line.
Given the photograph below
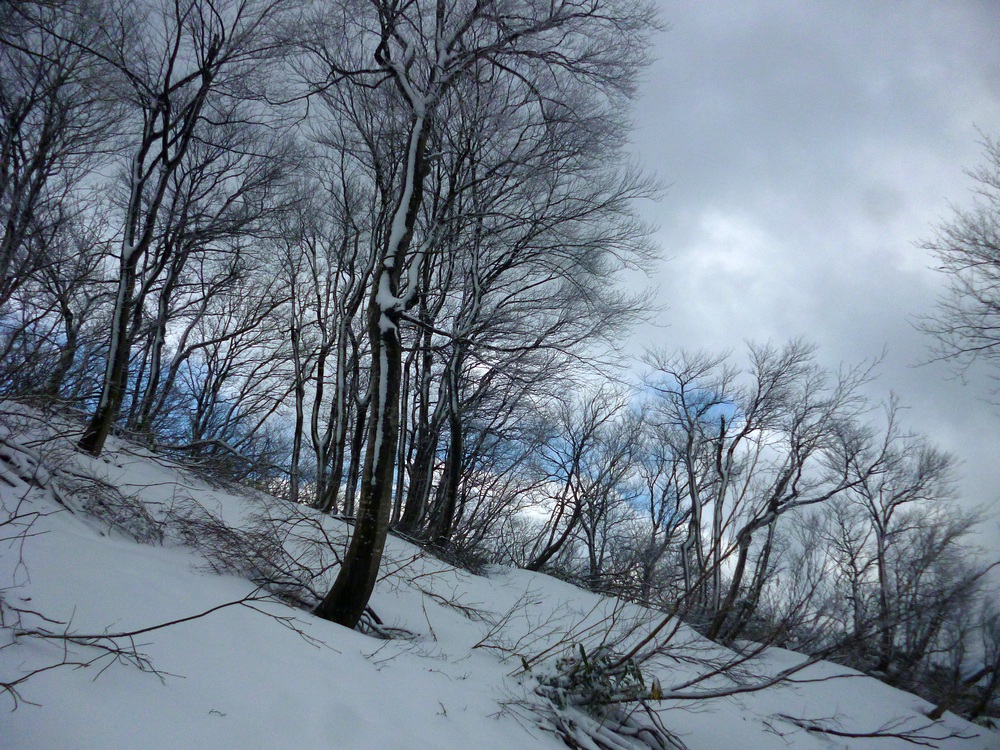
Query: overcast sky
808, 147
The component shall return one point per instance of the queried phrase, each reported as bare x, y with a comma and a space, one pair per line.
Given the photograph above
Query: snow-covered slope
260, 674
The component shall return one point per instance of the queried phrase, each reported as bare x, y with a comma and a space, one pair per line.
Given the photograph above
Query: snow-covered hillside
253, 672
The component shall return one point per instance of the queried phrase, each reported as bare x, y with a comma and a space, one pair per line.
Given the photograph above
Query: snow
240, 678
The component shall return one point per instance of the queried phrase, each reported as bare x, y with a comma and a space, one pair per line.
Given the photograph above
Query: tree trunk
719, 620
752, 600
452, 479
421, 474
299, 389
354, 469
116, 371
67, 353
144, 414
887, 632
348, 597
338, 415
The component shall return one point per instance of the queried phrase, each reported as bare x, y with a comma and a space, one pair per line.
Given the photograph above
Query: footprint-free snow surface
96, 549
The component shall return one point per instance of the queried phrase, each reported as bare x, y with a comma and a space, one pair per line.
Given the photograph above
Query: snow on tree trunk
348, 597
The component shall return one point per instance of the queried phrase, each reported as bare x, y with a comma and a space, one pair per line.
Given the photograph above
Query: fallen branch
896, 730
118, 647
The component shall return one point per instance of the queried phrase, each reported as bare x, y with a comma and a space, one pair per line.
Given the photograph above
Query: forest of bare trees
370, 256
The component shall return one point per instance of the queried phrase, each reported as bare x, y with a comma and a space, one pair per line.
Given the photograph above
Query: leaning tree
576, 54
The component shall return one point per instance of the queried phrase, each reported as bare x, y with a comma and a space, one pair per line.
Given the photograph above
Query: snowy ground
265, 675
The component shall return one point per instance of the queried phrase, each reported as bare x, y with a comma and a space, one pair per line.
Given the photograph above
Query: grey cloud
809, 146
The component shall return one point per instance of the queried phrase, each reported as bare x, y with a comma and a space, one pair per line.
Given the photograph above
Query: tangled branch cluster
599, 701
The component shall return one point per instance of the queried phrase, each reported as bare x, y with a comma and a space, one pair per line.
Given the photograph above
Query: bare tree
693, 395
329, 263
583, 462
782, 435
60, 311
664, 512
178, 68
55, 128
967, 247
911, 474
225, 193
987, 679
536, 231
424, 53
54, 125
